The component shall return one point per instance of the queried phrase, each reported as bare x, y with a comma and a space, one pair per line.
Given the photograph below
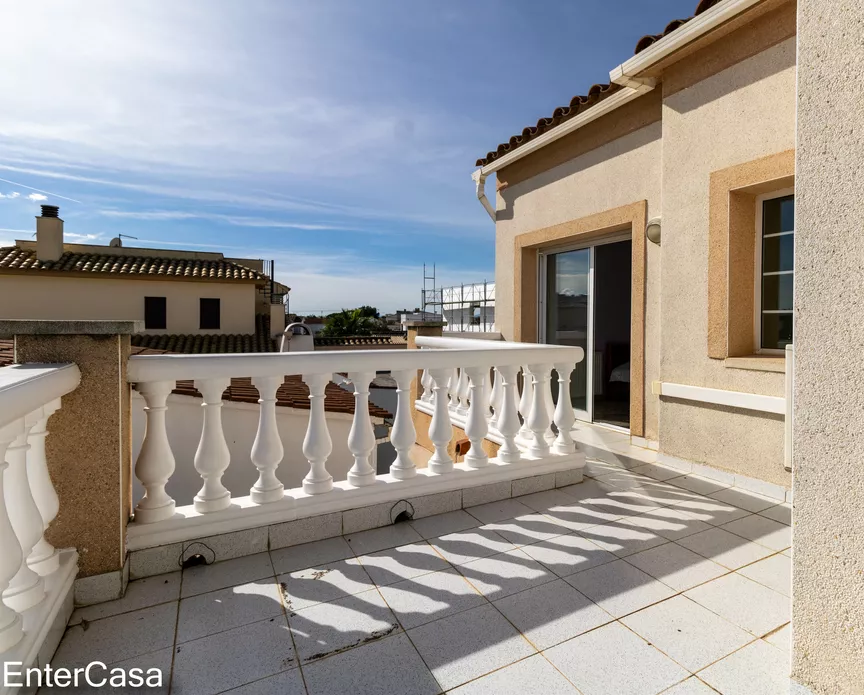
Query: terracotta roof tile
578, 104
7, 352
15, 258
352, 340
292, 394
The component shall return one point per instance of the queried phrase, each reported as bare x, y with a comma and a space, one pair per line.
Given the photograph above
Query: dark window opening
155, 312
209, 314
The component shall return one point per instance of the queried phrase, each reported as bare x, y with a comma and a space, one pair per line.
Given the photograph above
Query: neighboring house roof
7, 352
352, 340
19, 260
208, 343
578, 104
293, 393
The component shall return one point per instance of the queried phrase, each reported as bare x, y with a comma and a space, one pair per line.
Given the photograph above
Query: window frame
758, 273
201, 326
164, 325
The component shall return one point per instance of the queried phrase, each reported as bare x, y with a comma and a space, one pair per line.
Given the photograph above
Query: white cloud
37, 197
235, 220
12, 195
81, 238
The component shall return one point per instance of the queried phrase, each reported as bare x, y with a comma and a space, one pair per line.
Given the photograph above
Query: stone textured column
89, 452
828, 449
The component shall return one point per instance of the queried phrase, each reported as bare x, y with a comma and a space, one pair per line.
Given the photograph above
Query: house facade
651, 224
175, 293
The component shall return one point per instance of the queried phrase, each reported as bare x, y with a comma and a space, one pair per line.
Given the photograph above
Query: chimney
49, 234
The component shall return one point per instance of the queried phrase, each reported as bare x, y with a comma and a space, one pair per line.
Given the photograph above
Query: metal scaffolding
466, 308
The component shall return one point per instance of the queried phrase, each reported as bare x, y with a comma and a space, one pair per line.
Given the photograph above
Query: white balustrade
539, 419
476, 426
26, 588
317, 445
403, 434
45, 558
457, 376
508, 421
361, 438
564, 416
155, 463
525, 401
213, 455
29, 564
11, 624
267, 448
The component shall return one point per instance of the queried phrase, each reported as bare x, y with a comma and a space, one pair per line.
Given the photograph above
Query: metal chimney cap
50, 211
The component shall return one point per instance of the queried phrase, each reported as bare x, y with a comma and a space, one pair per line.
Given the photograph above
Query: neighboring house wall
730, 104
240, 424
51, 297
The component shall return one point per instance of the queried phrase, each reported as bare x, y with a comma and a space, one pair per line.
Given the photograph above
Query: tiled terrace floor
621, 585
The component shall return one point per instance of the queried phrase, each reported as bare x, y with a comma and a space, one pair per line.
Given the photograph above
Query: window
209, 314
155, 312
775, 249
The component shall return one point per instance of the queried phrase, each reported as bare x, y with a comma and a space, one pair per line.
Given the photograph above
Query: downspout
480, 184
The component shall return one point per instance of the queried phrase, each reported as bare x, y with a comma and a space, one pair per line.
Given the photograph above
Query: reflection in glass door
587, 304
568, 279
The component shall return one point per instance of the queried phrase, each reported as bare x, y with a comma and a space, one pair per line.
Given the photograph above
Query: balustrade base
22, 599
189, 524
152, 515
45, 623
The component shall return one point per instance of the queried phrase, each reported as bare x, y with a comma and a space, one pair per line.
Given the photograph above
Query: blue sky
336, 137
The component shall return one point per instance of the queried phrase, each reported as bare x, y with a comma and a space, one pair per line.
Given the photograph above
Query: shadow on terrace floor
620, 584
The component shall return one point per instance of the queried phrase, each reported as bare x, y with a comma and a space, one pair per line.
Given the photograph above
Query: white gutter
687, 33
625, 75
480, 184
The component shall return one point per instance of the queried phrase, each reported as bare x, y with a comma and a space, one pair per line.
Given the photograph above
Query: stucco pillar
828, 442
89, 446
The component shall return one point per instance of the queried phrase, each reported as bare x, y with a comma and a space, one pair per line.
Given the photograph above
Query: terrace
487, 573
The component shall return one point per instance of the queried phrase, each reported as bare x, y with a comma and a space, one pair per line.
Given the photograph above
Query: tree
348, 322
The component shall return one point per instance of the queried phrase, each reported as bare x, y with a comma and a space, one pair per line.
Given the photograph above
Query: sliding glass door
586, 303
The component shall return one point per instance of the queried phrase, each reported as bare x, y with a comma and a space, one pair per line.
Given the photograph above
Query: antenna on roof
117, 241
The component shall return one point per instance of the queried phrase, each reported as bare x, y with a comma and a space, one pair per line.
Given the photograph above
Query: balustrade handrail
26, 387
144, 368
446, 343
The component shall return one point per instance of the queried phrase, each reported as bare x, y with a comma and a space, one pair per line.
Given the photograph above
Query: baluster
11, 557
462, 393
267, 449
538, 420
440, 431
508, 421
476, 426
487, 393
550, 409
564, 416
525, 403
426, 383
155, 463
495, 397
44, 559
213, 456
361, 438
453, 391
26, 588
403, 434
317, 444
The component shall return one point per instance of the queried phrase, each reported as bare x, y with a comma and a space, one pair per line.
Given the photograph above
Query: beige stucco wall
740, 114
621, 172
51, 297
828, 460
